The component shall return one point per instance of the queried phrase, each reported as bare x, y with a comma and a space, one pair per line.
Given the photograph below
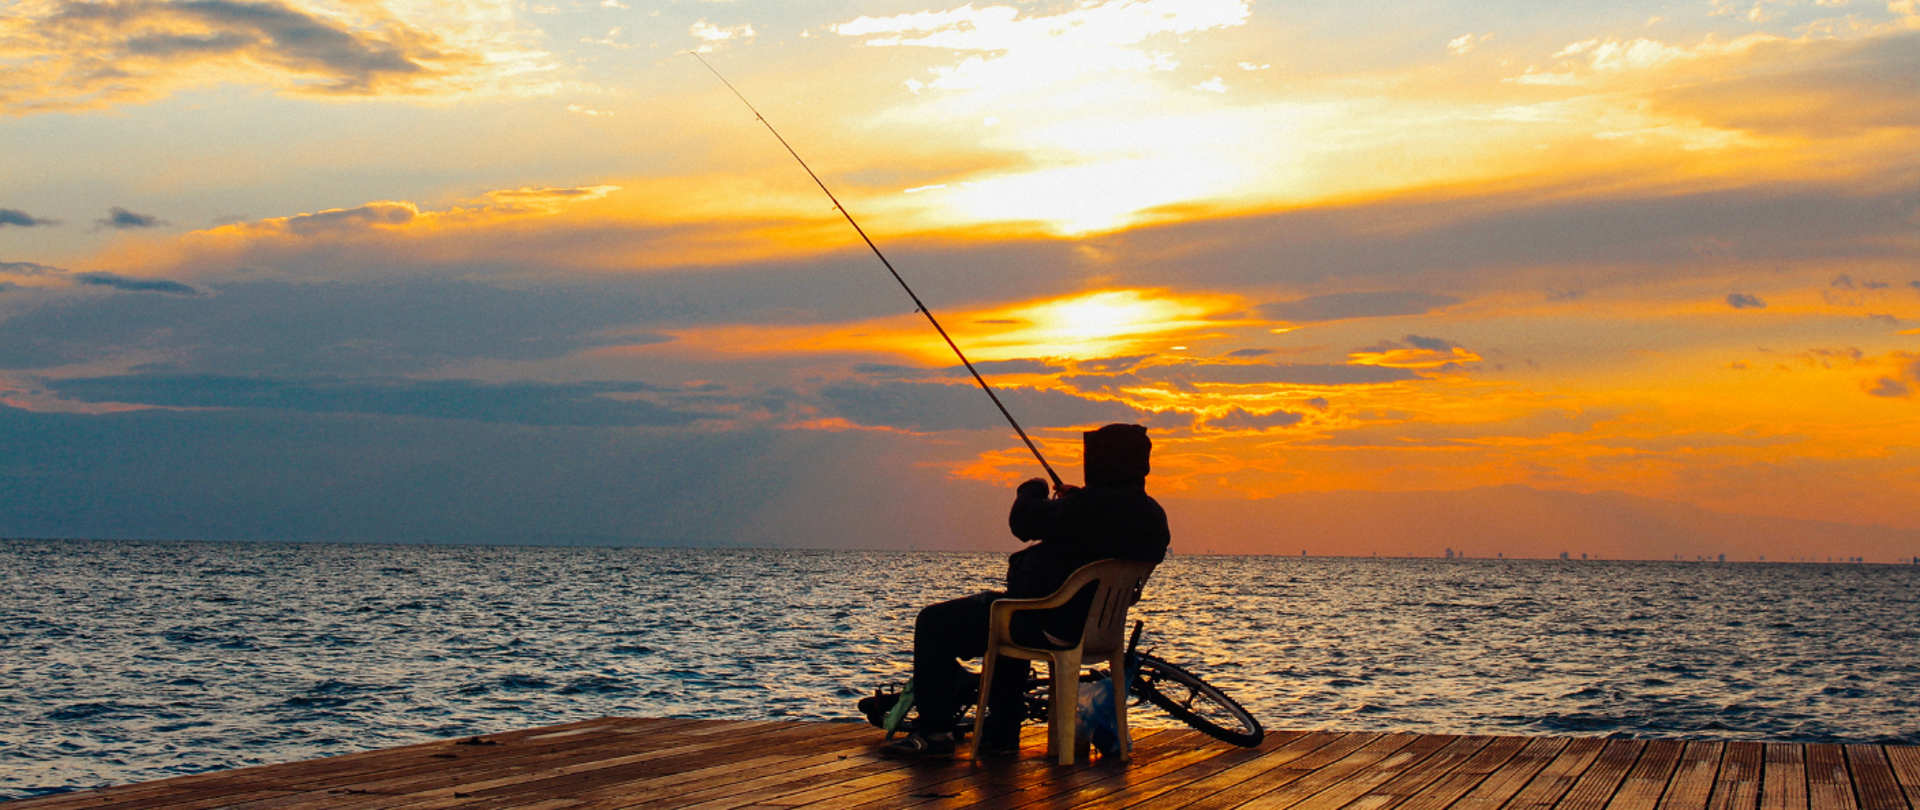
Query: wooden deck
614, 763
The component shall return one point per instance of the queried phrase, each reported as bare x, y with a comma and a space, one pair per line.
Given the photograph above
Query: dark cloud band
22, 219
576, 404
120, 219
119, 282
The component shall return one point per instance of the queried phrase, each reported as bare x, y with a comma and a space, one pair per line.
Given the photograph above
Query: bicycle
1151, 679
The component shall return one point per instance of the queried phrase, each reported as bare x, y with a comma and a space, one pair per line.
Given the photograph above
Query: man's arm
1034, 515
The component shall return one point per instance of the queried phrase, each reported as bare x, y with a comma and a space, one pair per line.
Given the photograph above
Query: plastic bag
1093, 717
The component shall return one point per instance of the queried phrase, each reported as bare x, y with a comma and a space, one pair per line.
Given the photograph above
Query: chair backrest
1119, 584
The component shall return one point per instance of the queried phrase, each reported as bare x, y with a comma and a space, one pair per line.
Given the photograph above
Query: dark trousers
944, 634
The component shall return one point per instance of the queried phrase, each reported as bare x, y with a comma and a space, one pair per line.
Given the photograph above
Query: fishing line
917, 305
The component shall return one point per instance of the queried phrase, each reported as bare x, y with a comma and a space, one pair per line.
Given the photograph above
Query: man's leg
1006, 704
942, 635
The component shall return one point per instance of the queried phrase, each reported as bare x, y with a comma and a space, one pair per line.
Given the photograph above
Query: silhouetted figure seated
1112, 517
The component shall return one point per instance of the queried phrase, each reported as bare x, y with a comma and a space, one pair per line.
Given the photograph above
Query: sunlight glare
1107, 322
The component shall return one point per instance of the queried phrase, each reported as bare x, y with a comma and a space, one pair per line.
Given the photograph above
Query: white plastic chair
1105, 641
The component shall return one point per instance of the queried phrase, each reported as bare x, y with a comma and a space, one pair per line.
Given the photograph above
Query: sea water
122, 662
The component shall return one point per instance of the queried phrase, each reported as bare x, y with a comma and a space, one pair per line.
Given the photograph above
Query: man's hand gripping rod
917, 305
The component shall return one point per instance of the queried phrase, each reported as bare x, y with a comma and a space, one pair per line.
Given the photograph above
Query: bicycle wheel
1195, 702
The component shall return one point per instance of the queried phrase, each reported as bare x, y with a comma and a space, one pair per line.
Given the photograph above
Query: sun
1102, 323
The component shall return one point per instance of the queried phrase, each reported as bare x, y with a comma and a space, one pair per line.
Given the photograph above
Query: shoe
920, 746
1000, 738
999, 748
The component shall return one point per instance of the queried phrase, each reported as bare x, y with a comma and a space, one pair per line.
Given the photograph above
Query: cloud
1607, 58
1110, 364
75, 54
1615, 238
113, 280
344, 219
1465, 43
273, 327
1415, 351
270, 474
1343, 306
28, 269
465, 227
1822, 87
933, 407
1745, 301
1013, 52
987, 368
576, 404
1023, 366
1890, 388
21, 219
1237, 418
121, 219
712, 36
120, 282
1901, 384
1203, 373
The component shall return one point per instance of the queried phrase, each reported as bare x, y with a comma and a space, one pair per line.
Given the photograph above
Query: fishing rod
917, 305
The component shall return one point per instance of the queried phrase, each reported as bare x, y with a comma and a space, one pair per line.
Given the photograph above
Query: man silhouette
1112, 517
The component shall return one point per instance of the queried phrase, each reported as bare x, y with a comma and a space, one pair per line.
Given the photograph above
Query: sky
1378, 277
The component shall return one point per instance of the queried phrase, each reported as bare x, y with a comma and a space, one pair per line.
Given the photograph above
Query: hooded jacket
1093, 523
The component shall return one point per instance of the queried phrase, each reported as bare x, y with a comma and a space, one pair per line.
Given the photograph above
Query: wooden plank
1873, 778
628, 763
790, 767
1451, 787
1377, 777
663, 769
1737, 786
1203, 778
1094, 786
1559, 777
472, 776
926, 779
793, 756
749, 788
188, 790
1905, 760
477, 773
1504, 781
1245, 780
447, 760
1323, 774
1784, 783
1595, 788
1123, 791
1694, 776
143, 791
1034, 776
1829, 784
1417, 779
1647, 781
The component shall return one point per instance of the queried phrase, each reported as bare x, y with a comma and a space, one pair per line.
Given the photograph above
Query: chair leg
1118, 667
1062, 721
980, 705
